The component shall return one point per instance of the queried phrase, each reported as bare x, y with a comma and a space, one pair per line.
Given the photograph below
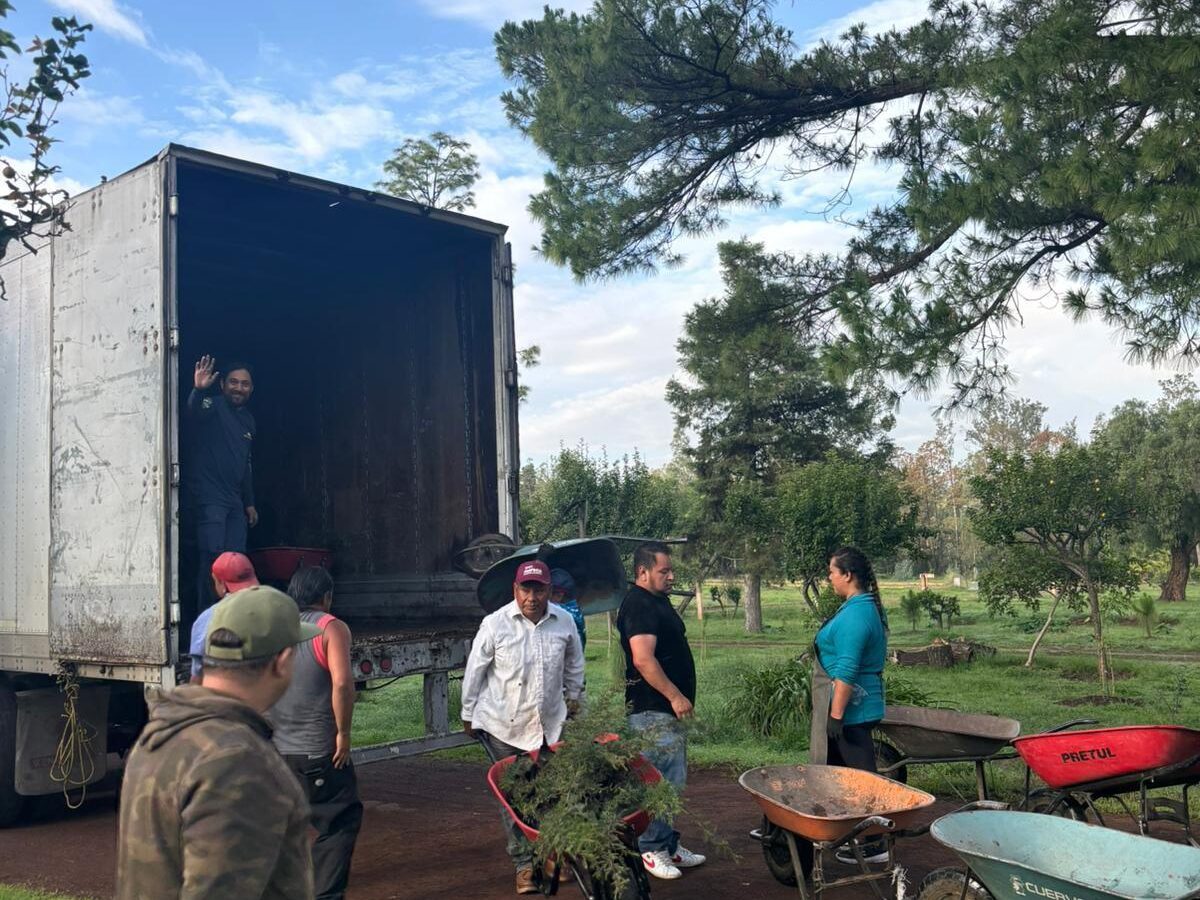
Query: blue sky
329, 89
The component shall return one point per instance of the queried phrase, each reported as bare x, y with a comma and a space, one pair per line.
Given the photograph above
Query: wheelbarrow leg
800, 879
981, 780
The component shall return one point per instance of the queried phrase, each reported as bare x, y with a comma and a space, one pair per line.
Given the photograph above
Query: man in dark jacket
221, 477
660, 688
209, 809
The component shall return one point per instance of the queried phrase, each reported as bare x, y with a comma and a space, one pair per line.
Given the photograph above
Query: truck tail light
365, 667
385, 664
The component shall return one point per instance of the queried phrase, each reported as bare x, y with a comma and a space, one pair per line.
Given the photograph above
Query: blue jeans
669, 756
218, 528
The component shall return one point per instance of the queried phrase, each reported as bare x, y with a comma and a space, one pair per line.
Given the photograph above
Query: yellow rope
74, 765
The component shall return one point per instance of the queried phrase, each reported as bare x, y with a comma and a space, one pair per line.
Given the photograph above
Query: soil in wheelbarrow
431, 829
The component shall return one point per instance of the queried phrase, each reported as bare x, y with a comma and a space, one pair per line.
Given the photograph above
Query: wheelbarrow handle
1074, 723
984, 804
869, 822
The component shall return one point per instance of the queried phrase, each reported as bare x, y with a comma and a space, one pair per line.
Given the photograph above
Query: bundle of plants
577, 795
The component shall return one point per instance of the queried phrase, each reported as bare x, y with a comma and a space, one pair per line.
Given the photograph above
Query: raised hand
205, 376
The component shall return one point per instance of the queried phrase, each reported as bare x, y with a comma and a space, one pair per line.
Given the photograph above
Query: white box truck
381, 333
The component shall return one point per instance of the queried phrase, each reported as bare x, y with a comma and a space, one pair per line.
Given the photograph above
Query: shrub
910, 605
943, 607
773, 700
1146, 611
734, 593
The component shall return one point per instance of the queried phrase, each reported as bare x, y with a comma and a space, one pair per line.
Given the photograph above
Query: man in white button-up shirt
524, 674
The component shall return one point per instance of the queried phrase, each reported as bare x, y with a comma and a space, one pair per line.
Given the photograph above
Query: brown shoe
525, 884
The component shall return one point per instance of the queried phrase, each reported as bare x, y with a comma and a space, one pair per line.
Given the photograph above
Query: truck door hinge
173, 338
510, 378
174, 474
506, 274
173, 205
514, 484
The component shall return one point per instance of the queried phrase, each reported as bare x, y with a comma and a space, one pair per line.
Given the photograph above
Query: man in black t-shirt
660, 688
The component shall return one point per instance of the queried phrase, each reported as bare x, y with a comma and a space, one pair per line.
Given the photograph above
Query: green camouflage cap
266, 620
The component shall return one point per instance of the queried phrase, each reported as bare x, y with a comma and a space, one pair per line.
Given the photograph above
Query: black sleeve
196, 405
639, 617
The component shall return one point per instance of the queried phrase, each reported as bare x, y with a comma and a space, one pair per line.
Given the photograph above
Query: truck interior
369, 329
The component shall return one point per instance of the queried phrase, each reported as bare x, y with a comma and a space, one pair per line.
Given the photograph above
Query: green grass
1151, 691
16, 892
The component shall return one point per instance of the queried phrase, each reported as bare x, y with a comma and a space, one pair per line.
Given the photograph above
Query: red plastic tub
281, 563
1066, 758
638, 820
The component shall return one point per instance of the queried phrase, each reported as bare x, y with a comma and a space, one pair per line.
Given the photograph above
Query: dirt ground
430, 830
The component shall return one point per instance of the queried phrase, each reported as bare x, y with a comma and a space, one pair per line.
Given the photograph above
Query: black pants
856, 750
336, 815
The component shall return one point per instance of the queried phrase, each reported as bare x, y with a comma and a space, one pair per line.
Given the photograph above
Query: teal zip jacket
853, 646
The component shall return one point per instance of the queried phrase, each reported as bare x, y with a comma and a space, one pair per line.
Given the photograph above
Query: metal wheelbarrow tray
1081, 767
812, 811
1019, 854
919, 736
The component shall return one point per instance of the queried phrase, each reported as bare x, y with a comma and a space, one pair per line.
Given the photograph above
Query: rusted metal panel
25, 441
107, 446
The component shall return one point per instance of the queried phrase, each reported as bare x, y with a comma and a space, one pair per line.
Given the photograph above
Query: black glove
833, 728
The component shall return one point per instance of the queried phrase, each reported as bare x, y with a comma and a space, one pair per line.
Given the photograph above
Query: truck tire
12, 804
948, 884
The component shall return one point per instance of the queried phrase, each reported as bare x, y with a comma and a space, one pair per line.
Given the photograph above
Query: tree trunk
1093, 593
811, 591
1042, 633
1175, 587
752, 599
700, 599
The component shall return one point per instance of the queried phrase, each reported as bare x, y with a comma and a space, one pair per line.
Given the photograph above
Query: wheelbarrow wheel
886, 756
779, 858
1051, 802
637, 884
948, 884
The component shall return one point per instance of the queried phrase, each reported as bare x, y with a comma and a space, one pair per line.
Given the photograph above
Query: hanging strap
318, 643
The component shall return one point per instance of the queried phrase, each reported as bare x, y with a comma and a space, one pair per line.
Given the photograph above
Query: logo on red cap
532, 571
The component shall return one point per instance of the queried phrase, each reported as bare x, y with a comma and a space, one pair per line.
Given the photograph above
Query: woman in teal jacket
848, 677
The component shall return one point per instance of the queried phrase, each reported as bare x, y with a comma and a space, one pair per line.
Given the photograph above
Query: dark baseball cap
266, 620
562, 581
532, 571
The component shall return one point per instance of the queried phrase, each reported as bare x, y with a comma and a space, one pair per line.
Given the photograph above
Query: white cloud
491, 14
880, 16
108, 16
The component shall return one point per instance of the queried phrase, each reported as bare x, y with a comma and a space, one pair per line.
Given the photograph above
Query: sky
330, 89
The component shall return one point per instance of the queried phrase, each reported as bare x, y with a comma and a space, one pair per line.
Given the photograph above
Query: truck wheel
951, 884
12, 804
887, 755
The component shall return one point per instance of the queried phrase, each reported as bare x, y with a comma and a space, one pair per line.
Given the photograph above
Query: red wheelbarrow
638, 883
1080, 767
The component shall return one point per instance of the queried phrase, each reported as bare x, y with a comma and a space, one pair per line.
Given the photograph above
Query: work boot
525, 882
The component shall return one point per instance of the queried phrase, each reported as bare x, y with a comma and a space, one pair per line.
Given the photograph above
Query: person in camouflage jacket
209, 809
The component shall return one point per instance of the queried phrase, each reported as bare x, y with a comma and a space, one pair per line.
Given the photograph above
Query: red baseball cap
532, 571
234, 570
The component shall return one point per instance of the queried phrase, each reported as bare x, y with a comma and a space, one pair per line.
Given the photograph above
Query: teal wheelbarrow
1028, 855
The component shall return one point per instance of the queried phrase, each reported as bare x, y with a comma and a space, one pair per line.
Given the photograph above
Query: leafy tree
32, 209
527, 358
1033, 139
939, 487
1062, 511
622, 497
825, 505
943, 607
1159, 445
757, 401
1008, 424
910, 606
438, 172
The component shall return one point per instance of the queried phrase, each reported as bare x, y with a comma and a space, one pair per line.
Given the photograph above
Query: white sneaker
846, 856
686, 859
658, 863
